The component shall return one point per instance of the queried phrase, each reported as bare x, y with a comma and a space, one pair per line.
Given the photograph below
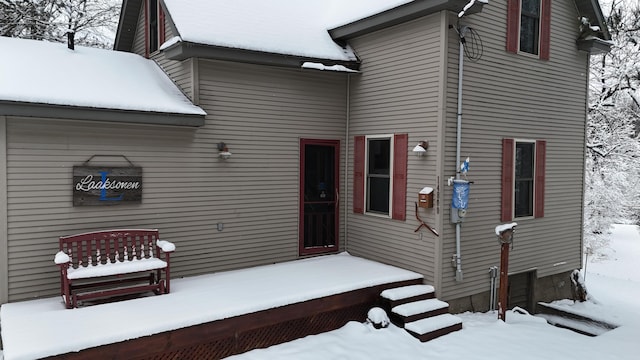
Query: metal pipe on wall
493, 274
458, 257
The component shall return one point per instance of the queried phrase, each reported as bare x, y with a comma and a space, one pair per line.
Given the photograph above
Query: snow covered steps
562, 317
416, 309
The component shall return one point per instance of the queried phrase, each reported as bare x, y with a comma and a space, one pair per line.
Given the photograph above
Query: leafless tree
612, 179
92, 21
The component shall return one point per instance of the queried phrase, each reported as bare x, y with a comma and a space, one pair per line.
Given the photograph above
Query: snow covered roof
290, 27
50, 74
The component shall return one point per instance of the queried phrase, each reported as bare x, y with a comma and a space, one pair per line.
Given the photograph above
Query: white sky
613, 284
50, 73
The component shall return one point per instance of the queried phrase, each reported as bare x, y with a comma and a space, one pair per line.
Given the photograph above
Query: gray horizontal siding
181, 72
139, 41
398, 92
506, 95
187, 189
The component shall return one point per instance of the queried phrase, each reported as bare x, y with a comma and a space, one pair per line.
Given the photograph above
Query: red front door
319, 175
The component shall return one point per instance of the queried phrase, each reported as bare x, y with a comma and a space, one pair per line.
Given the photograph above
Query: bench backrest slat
101, 247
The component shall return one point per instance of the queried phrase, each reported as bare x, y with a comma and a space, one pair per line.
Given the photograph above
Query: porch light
421, 149
224, 153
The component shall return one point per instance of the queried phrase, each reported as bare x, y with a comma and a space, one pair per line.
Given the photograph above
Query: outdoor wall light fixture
223, 151
421, 149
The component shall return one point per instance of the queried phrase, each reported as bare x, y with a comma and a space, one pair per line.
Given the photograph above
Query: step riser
433, 314
400, 320
436, 334
390, 304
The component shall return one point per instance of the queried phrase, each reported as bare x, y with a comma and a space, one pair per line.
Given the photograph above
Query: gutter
181, 50
11, 108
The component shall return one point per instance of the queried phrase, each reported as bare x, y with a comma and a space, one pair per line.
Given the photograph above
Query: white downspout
458, 258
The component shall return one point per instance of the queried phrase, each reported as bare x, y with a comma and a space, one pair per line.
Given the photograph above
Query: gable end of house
126, 31
401, 14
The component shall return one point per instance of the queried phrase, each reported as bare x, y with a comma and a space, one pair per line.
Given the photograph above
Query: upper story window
155, 31
523, 178
529, 27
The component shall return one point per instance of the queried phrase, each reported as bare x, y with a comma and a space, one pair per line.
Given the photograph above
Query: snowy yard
613, 284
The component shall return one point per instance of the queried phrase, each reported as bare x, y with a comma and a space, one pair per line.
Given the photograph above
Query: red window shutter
161, 29
545, 29
399, 197
146, 29
513, 25
358, 174
539, 182
508, 146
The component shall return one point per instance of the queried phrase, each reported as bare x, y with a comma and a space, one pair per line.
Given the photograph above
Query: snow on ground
193, 300
613, 284
614, 290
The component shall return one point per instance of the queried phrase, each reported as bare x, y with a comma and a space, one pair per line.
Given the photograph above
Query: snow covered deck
328, 282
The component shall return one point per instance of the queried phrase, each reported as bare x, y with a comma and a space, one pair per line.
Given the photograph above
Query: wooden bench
110, 263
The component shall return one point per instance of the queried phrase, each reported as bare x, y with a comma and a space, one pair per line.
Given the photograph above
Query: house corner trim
4, 251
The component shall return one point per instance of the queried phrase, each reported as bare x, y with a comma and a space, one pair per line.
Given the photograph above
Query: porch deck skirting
235, 335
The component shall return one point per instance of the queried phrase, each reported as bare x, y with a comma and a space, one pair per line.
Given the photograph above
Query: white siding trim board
4, 253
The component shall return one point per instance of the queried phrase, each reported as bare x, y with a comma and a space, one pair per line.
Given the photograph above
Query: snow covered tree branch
93, 21
613, 147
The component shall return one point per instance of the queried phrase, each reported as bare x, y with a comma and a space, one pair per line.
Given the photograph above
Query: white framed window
523, 178
379, 170
380, 175
530, 26
155, 29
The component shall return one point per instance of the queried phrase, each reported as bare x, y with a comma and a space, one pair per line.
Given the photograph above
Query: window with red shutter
380, 175
399, 198
358, 174
529, 27
154, 27
523, 179
539, 184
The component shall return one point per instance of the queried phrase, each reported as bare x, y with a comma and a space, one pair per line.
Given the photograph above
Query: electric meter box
425, 197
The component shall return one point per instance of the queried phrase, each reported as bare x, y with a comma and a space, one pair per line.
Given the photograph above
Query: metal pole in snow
504, 281
505, 235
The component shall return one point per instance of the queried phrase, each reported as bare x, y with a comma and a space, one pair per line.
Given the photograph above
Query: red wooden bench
109, 263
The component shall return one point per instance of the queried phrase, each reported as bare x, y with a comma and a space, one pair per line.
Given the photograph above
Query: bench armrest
166, 246
61, 258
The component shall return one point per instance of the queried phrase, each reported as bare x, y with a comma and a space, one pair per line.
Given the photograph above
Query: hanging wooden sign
94, 185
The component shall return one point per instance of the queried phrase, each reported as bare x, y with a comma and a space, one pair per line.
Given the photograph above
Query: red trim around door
303, 250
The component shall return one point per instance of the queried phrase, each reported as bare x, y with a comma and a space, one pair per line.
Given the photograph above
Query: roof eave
592, 11
13, 108
594, 45
183, 50
400, 14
